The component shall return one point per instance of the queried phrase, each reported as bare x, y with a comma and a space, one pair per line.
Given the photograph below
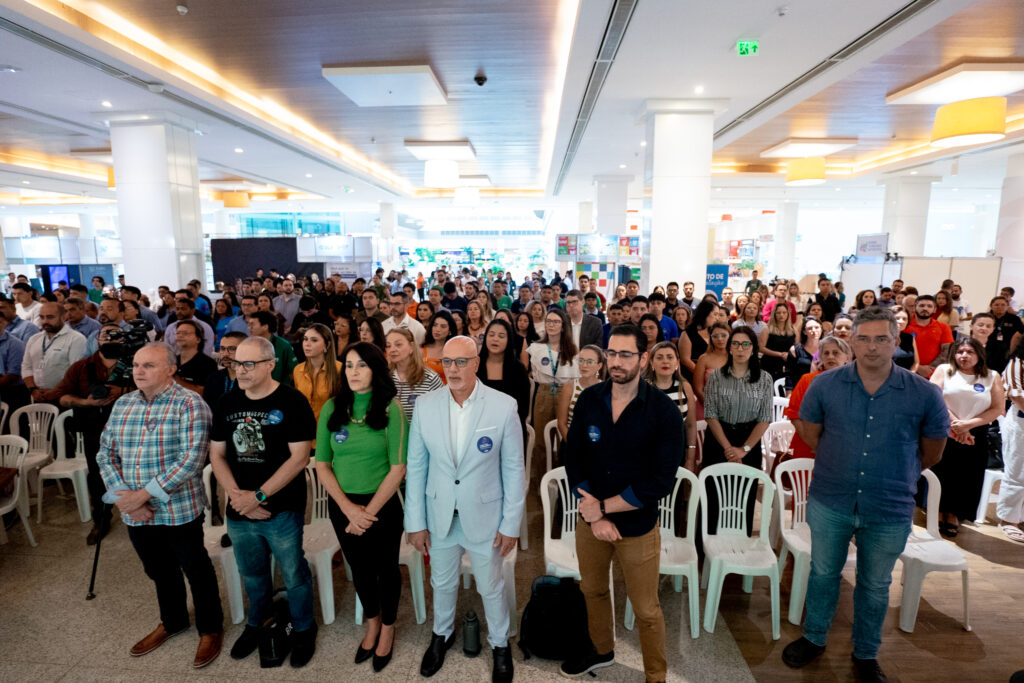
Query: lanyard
47, 347
554, 366
229, 384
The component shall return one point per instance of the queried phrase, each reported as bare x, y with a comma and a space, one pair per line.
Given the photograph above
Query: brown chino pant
639, 558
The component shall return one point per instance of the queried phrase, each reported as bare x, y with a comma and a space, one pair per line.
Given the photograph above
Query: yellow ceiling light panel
964, 80
970, 122
805, 172
235, 200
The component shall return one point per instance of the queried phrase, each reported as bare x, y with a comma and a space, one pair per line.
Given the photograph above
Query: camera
123, 344
480, 78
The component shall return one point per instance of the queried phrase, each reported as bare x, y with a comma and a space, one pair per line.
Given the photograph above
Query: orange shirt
930, 339
792, 412
411, 309
435, 365
313, 388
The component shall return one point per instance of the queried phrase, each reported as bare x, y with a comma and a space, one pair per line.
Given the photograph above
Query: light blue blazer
487, 487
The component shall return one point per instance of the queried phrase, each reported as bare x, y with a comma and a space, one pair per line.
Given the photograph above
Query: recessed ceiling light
475, 180
643, 143
963, 81
25, 182
451, 150
956, 189
794, 148
699, 90
622, 166
8, 69
238, 150
309, 175
913, 173
718, 189
106, 103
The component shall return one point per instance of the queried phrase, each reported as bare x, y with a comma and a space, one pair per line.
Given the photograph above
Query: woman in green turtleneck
361, 445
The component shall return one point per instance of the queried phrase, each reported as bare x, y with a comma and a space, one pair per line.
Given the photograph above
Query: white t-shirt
542, 359
409, 323
967, 396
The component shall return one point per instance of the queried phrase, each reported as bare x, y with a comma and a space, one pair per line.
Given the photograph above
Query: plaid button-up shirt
159, 445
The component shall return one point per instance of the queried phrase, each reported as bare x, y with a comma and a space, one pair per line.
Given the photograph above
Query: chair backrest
551, 440
570, 504
207, 484
932, 501
12, 454
779, 387
320, 497
4, 408
667, 505
798, 475
533, 389
733, 482
779, 406
777, 437
531, 440
40, 417
61, 437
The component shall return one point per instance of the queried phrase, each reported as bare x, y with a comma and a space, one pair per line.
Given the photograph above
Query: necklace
353, 420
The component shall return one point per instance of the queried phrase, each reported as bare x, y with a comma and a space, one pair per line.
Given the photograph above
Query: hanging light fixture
110, 179
969, 122
440, 173
466, 196
235, 200
805, 172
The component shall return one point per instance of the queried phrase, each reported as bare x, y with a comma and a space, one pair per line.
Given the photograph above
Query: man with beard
620, 468
111, 313
50, 353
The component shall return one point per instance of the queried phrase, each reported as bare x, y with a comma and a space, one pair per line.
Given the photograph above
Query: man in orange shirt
933, 337
833, 352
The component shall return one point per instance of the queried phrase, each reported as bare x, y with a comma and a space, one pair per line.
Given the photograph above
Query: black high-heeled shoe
379, 662
362, 655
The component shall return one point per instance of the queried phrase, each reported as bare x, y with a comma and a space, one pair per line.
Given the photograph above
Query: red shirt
766, 312
930, 338
792, 412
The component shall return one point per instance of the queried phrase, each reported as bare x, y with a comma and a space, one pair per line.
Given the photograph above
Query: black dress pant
736, 434
962, 473
373, 556
167, 552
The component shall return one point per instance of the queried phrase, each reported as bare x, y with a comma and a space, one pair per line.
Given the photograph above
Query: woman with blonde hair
319, 376
776, 340
476, 322
411, 375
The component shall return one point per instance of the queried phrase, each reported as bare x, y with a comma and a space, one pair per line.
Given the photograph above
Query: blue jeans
254, 541
879, 545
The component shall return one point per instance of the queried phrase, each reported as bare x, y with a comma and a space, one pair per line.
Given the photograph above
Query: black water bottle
471, 634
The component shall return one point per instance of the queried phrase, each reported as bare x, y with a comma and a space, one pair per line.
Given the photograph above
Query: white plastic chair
40, 418
729, 550
223, 557
678, 555
4, 409
929, 552
64, 467
319, 543
779, 387
533, 390
776, 439
552, 439
531, 439
987, 497
413, 559
560, 553
508, 571
779, 406
796, 534
12, 454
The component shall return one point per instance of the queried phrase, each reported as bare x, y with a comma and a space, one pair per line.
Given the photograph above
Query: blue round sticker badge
594, 433
275, 417
484, 444
341, 436
545, 361
979, 388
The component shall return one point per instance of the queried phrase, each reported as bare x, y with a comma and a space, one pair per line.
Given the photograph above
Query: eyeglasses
249, 365
624, 355
458, 362
228, 349
719, 336
741, 344
588, 361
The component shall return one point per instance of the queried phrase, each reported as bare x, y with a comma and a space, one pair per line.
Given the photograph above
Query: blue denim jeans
879, 545
254, 541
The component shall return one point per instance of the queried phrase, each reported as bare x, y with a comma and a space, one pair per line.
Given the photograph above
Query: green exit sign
747, 48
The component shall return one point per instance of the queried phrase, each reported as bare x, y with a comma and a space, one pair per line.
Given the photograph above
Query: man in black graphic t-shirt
259, 448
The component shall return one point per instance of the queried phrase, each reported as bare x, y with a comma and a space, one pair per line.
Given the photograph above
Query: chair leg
39, 503
233, 584
773, 579
748, 584
359, 612
798, 589
693, 596
677, 583
714, 594
783, 556
967, 610
524, 539
28, 530
913, 580
630, 619
325, 584
82, 496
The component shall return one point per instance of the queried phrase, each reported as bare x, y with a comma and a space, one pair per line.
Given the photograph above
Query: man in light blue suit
465, 488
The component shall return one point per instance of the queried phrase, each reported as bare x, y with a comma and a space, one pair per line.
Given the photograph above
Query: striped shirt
407, 395
678, 396
734, 400
159, 445
1013, 379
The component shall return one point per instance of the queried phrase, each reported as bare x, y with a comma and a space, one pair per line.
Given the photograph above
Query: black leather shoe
303, 647
869, 670
502, 672
433, 658
246, 643
800, 653
379, 662
362, 655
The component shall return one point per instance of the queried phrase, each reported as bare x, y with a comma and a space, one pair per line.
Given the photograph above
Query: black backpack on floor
554, 624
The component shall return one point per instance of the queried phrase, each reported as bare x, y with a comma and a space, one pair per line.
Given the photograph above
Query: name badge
979, 388
341, 436
594, 433
484, 444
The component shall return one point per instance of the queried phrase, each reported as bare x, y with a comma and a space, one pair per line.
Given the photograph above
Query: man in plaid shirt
151, 459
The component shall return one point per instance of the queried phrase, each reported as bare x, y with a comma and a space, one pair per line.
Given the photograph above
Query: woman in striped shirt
593, 369
663, 373
412, 378
1010, 507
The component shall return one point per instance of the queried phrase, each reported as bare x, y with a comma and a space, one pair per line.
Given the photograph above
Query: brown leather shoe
158, 637
209, 648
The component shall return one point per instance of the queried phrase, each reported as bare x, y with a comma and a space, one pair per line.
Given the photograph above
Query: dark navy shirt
635, 457
868, 460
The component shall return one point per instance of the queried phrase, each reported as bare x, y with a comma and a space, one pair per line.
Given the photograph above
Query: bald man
49, 353
466, 441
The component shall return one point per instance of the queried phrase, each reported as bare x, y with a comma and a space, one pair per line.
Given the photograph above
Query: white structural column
785, 240
612, 195
1010, 230
905, 216
679, 139
158, 202
585, 224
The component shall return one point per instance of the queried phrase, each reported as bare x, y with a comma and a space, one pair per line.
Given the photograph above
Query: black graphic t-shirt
257, 434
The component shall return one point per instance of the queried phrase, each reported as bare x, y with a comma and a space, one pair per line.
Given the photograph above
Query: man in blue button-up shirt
874, 427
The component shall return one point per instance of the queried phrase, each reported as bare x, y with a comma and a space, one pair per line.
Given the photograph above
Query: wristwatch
603, 513
260, 496
746, 448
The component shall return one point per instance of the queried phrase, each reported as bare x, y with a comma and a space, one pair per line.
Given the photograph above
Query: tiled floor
49, 632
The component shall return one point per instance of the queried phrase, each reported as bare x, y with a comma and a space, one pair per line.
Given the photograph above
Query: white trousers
1010, 506
445, 565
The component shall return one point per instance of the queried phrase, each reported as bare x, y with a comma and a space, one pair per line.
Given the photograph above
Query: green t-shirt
284, 354
505, 302
359, 455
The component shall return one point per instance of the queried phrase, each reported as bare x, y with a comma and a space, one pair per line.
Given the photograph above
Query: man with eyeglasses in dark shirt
620, 468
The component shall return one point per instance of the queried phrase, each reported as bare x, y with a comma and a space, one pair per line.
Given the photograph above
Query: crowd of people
428, 384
